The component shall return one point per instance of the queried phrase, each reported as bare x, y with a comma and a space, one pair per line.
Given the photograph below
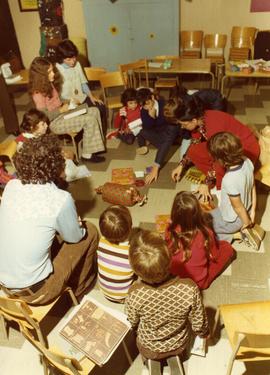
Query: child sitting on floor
114, 272
155, 130
238, 193
128, 120
195, 251
162, 308
34, 124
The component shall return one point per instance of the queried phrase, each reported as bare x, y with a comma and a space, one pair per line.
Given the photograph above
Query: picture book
96, 330
123, 176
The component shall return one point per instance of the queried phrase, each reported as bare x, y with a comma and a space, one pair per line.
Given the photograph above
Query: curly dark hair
31, 119
189, 110
39, 80
129, 94
40, 160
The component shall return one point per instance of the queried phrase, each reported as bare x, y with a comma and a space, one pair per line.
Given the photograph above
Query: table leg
213, 79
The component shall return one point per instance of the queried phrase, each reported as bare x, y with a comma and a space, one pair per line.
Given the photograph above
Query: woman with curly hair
196, 253
35, 209
44, 86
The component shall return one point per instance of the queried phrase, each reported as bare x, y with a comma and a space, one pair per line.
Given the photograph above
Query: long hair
39, 80
187, 214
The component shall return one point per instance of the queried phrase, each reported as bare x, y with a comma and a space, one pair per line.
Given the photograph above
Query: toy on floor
126, 195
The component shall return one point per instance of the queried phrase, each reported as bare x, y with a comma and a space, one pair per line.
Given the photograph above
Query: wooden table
186, 66
24, 73
230, 74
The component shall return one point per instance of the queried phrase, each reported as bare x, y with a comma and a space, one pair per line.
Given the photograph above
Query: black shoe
94, 159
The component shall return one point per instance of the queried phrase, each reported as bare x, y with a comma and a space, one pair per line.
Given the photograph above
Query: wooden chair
133, 73
242, 43
109, 81
191, 44
94, 73
8, 148
29, 316
214, 45
53, 359
248, 329
166, 83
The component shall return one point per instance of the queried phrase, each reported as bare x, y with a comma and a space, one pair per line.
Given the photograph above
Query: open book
78, 111
96, 330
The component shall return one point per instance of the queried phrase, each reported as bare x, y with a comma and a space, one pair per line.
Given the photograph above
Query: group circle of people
158, 278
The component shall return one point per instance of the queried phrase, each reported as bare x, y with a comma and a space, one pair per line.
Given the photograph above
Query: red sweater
132, 115
199, 268
217, 121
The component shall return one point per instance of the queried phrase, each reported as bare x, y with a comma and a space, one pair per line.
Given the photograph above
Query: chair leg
72, 296
3, 328
75, 148
153, 367
45, 365
175, 365
127, 353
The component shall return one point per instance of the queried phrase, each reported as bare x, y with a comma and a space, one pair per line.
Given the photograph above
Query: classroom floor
246, 279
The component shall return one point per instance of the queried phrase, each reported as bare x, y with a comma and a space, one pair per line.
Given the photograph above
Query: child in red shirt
128, 120
196, 253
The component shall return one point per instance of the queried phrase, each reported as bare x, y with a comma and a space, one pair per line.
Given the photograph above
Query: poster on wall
260, 6
28, 5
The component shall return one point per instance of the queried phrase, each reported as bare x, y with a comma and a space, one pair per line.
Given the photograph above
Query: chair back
66, 364
8, 148
94, 73
242, 43
243, 37
215, 41
191, 43
16, 309
111, 79
248, 329
133, 73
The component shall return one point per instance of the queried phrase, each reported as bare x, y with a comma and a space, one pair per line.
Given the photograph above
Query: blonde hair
149, 256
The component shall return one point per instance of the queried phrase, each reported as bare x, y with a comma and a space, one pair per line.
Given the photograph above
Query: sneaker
175, 365
112, 134
142, 150
94, 159
251, 238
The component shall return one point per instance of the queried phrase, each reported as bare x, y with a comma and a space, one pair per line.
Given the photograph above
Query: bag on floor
126, 195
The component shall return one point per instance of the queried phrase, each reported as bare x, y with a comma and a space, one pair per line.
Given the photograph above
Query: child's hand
152, 112
152, 176
204, 194
123, 112
176, 173
64, 108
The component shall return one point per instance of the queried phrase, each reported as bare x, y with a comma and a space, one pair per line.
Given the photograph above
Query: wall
27, 27
214, 16
207, 15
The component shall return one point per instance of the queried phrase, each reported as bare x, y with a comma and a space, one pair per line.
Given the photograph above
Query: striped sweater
114, 272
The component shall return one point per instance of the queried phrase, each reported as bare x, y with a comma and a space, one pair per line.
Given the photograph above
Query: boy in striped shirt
114, 272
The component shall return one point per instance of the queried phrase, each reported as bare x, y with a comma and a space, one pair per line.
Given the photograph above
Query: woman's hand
95, 100
152, 176
64, 108
176, 173
204, 194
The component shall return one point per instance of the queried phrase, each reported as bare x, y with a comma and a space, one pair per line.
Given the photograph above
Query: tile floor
246, 279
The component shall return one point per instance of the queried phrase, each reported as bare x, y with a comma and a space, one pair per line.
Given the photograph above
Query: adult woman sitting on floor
203, 124
44, 87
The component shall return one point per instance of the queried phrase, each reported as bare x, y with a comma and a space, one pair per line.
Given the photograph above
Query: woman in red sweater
197, 254
202, 125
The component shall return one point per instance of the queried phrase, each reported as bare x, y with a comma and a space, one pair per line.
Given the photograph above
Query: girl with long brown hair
44, 86
196, 253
